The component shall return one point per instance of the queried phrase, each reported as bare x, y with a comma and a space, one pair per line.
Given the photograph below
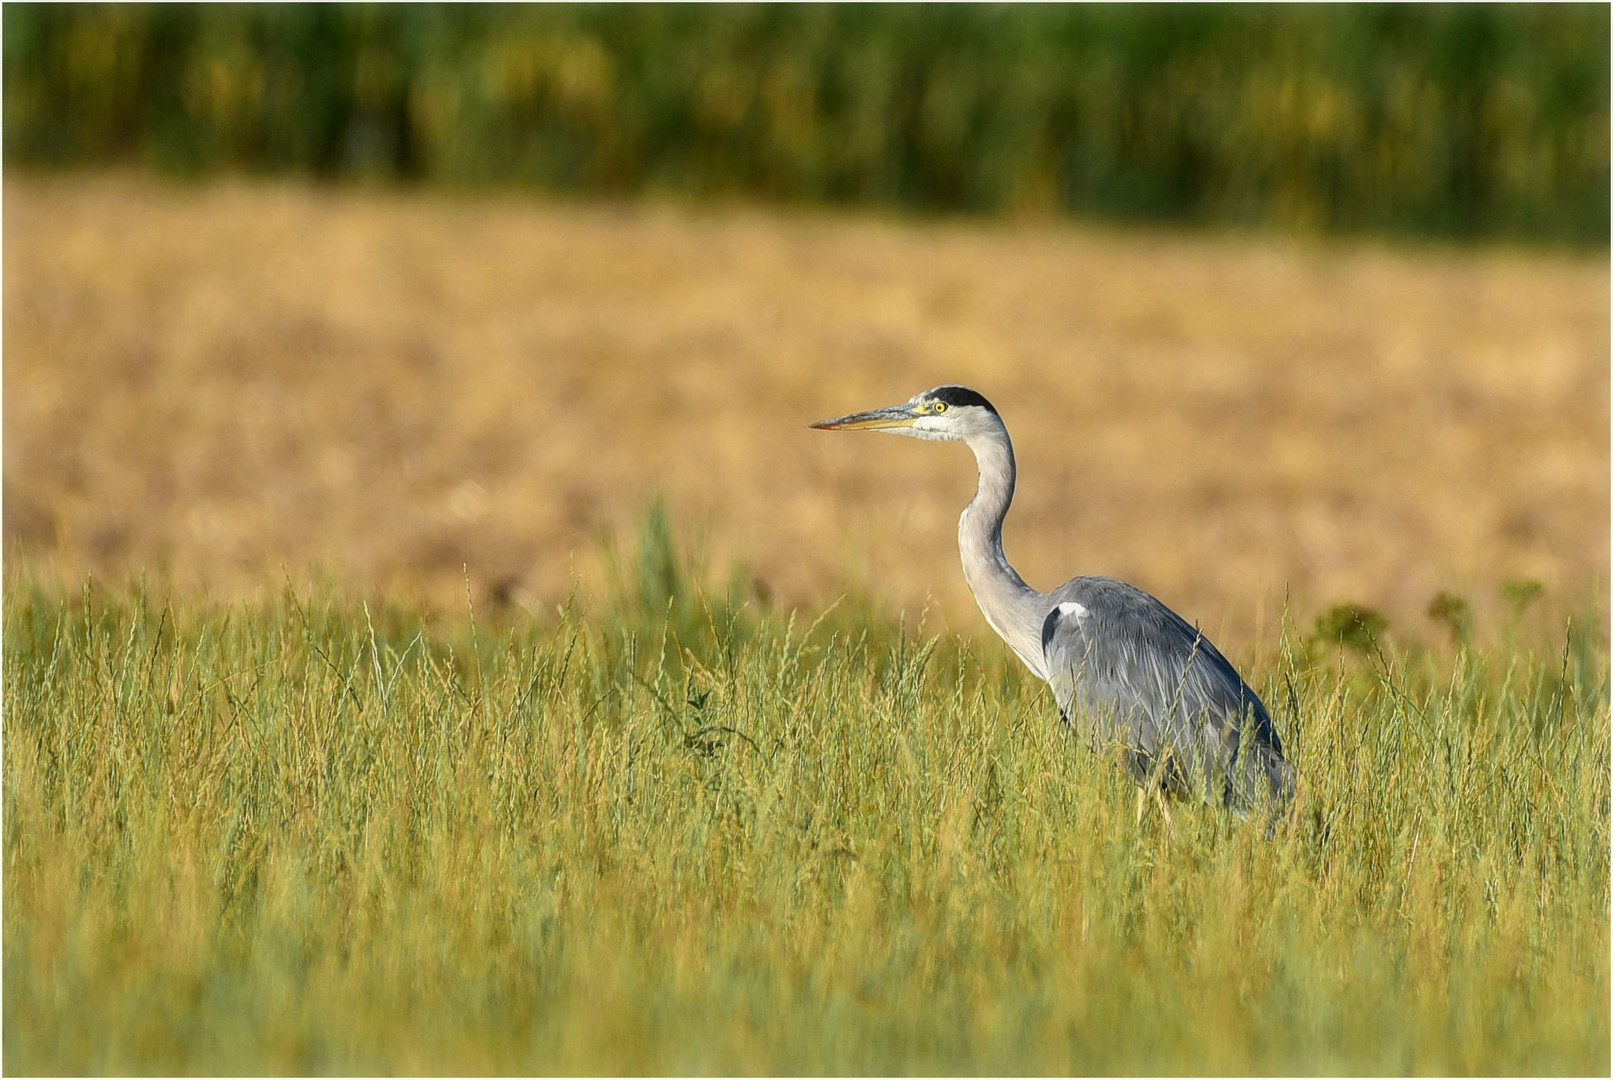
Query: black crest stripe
961, 395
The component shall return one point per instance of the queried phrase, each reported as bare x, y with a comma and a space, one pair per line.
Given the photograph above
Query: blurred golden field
392, 390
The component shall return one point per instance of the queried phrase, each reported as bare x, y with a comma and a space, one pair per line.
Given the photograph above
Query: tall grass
1463, 119
676, 834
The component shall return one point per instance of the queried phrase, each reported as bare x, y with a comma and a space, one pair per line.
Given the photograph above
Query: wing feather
1131, 672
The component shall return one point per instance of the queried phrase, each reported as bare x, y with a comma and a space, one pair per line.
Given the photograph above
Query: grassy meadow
357, 719
673, 829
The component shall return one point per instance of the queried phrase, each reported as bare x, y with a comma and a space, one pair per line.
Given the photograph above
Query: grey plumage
1133, 673
1128, 673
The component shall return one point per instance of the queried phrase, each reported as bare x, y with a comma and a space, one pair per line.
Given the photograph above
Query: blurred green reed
1451, 120
682, 832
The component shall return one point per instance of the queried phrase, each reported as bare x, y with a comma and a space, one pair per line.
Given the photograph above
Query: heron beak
897, 416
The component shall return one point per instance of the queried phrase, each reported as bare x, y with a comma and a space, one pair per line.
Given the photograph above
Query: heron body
1127, 672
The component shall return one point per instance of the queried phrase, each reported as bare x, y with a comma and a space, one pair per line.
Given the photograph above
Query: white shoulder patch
1072, 608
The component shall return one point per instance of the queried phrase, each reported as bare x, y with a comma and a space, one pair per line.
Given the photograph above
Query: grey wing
1133, 673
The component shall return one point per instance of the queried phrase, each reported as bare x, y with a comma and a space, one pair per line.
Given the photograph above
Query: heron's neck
1010, 605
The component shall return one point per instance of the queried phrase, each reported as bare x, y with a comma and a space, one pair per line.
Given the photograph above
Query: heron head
947, 412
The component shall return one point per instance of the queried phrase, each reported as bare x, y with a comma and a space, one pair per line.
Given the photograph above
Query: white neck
1012, 607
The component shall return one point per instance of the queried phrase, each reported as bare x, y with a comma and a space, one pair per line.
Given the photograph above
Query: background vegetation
1458, 120
678, 832
222, 383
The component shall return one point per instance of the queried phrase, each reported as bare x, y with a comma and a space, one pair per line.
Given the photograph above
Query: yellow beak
897, 416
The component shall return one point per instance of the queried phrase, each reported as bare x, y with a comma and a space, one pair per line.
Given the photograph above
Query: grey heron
1126, 671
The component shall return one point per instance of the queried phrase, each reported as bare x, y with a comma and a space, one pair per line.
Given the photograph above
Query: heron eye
940, 406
